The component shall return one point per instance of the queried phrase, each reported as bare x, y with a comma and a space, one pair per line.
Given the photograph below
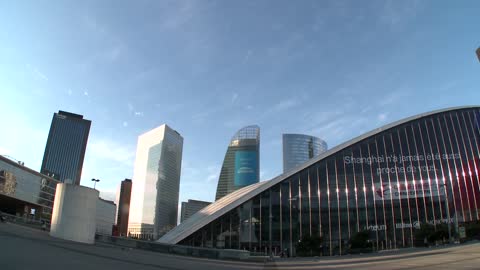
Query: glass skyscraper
299, 148
424, 169
156, 183
241, 166
65, 149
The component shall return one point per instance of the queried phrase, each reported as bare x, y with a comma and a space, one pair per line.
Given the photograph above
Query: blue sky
333, 69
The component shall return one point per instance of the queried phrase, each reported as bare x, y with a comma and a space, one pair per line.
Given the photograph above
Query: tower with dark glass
241, 165
65, 149
299, 148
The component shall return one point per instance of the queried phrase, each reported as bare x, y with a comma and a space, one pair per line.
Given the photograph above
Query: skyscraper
241, 166
123, 206
65, 149
299, 148
191, 207
156, 183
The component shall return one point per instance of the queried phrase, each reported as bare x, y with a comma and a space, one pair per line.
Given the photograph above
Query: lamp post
448, 214
96, 181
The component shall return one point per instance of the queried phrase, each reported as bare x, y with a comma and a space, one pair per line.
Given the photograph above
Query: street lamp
448, 214
96, 181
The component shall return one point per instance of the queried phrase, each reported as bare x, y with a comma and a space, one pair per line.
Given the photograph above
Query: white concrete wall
74, 213
105, 216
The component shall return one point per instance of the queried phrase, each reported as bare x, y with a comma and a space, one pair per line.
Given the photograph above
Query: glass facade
65, 149
24, 192
241, 166
156, 183
299, 148
424, 170
191, 207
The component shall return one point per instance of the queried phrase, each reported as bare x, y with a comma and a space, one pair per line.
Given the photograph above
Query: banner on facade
410, 190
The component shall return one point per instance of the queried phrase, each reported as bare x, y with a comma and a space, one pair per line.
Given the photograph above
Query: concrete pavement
27, 248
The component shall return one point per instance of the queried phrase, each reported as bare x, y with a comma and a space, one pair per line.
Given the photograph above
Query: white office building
156, 183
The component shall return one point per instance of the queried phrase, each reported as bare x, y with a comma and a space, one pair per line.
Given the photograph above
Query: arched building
423, 169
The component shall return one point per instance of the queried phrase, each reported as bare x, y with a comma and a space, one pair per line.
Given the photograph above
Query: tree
473, 230
440, 234
360, 240
431, 233
309, 246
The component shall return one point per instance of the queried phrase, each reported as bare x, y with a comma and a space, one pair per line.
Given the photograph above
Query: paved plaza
27, 248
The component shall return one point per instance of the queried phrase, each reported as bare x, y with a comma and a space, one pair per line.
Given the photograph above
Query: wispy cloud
133, 111
4, 151
111, 150
394, 97
111, 47
382, 117
40, 74
247, 56
114, 53
213, 173
396, 14
234, 97
282, 105
36, 73
198, 182
285, 104
180, 13
108, 194
93, 24
200, 117
265, 175
337, 130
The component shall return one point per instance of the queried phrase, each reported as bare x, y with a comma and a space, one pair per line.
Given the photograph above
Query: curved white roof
231, 201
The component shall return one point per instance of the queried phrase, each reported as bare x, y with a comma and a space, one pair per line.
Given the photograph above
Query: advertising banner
246, 168
409, 190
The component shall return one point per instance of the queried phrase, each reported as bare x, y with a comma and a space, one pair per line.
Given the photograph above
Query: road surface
27, 248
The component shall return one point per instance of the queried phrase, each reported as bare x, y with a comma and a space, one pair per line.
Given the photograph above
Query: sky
332, 69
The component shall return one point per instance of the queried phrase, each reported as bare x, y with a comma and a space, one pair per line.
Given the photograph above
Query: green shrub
473, 230
309, 246
360, 240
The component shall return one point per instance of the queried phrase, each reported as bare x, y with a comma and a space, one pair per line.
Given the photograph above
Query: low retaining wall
211, 253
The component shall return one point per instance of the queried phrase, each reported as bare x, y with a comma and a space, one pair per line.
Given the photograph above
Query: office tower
65, 149
156, 182
123, 206
241, 166
299, 148
191, 207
